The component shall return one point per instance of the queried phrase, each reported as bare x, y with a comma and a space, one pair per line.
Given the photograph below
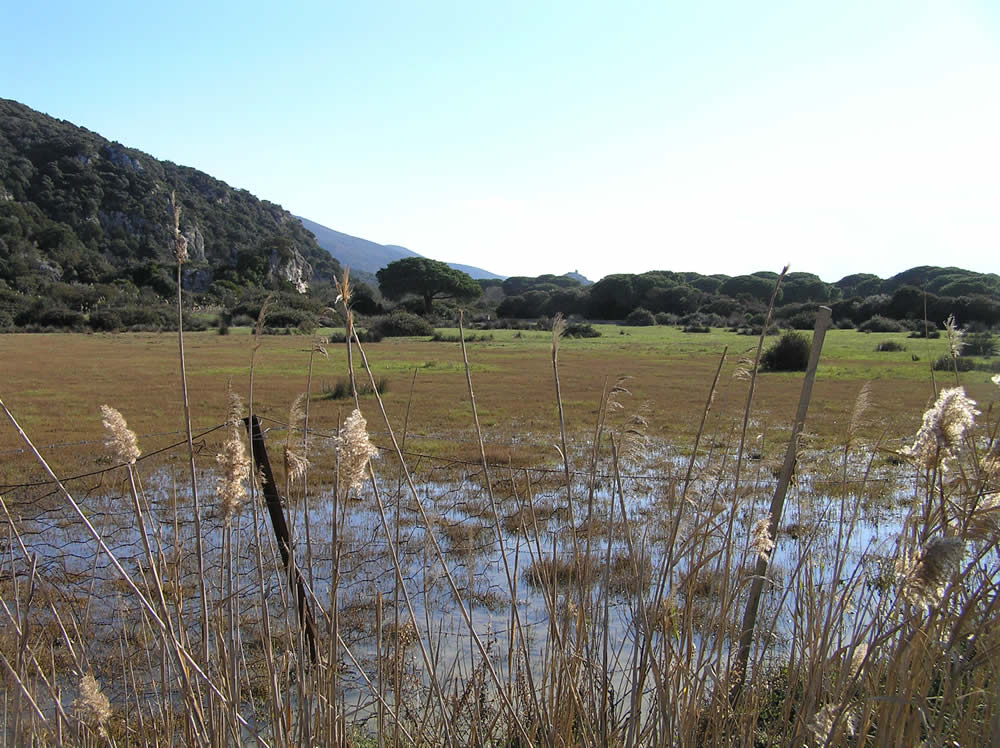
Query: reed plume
121, 439
944, 425
233, 461
92, 707
354, 450
761, 541
296, 461
925, 581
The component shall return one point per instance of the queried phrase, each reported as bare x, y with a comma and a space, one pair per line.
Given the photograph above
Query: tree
428, 279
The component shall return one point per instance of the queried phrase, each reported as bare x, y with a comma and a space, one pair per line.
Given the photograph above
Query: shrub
890, 345
980, 344
469, 338
878, 323
581, 330
667, 318
284, 317
365, 336
928, 331
790, 353
104, 320
802, 321
341, 389
402, 324
947, 363
696, 328
639, 317
147, 317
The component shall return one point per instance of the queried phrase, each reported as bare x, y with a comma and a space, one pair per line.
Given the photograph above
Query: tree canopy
428, 279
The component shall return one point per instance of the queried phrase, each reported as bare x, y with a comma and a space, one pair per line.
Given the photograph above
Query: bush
696, 328
365, 336
341, 390
980, 344
802, 321
469, 338
878, 323
790, 353
890, 345
581, 330
402, 324
925, 330
639, 317
667, 318
947, 363
147, 317
104, 320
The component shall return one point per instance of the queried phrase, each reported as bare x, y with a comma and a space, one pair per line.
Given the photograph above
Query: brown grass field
55, 384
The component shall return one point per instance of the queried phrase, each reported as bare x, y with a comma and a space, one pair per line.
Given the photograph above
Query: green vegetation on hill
85, 225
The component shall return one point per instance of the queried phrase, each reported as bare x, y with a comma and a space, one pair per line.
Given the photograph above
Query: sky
546, 137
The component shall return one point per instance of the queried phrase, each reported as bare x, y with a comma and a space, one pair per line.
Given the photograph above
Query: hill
368, 257
76, 208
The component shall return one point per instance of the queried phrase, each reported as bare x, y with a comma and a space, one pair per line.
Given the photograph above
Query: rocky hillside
77, 210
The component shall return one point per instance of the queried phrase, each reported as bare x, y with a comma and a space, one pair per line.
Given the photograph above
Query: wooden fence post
777, 506
281, 534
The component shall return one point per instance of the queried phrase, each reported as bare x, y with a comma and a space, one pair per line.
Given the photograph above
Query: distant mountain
368, 257
354, 252
477, 273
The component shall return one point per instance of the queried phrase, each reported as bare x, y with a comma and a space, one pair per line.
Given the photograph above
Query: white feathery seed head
825, 720
925, 581
121, 439
354, 450
944, 425
91, 706
233, 462
760, 537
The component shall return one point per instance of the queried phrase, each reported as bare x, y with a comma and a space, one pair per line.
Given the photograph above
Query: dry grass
55, 382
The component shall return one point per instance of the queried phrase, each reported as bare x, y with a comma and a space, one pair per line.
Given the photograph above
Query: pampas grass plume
354, 449
121, 439
944, 425
92, 707
926, 580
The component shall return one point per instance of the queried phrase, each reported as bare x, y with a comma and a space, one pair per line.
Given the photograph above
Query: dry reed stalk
317, 347
180, 251
438, 554
517, 630
185, 663
777, 505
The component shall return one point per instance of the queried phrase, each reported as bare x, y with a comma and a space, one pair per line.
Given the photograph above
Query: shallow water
823, 543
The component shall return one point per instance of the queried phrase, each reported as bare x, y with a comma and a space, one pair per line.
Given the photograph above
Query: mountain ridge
369, 257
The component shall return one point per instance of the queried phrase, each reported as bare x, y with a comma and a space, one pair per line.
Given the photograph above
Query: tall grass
599, 603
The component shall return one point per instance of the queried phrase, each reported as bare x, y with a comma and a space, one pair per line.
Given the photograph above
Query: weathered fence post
777, 506
281, 534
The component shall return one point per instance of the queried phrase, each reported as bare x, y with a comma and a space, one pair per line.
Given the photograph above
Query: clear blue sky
534, 137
